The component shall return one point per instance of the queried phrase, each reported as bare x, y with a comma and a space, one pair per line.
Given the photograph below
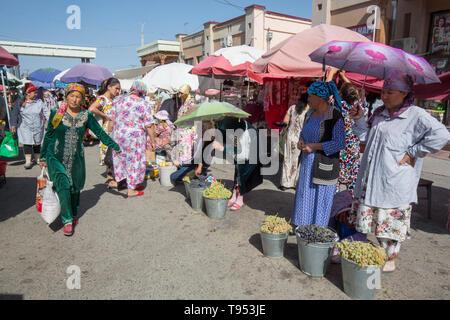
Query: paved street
154, 247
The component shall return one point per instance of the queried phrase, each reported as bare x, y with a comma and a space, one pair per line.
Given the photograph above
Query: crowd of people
322, 146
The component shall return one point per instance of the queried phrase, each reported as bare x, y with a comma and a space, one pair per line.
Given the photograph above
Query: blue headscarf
326, 90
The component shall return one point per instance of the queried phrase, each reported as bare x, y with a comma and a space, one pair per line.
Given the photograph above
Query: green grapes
217, 191
275, 225
362, 253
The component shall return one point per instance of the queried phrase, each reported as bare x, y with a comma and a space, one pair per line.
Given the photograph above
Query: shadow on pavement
271, 202
16, 196
255, 240
88, 200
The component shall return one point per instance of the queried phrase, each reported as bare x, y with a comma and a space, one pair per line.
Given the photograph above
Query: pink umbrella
374, 59
290, 58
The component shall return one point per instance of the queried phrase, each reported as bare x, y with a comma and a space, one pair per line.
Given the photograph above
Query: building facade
256, 27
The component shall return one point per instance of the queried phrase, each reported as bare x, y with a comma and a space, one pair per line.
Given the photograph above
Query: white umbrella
171, 77
60, 75
240, 54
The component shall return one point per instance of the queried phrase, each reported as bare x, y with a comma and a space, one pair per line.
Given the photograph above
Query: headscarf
326, 90
400, 81
185, 89
164, 116
63, 108
139, 87
30, 88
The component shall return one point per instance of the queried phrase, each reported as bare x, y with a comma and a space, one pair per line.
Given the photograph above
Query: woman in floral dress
294, 119
102, 106
184, 137
132, 123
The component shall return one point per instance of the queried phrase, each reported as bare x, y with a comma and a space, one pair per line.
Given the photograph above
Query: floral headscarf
63, 108
139, 87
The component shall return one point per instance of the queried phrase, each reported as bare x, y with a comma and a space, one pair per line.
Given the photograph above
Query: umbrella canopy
171, 77
45, 85
290, 58
211, 111
374, 59
434, 91
60, 75
7, 59
234, 61
87, 72
44, 75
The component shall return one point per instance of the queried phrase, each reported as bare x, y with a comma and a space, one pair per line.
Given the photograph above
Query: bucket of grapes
361, 264
216, 200
315, 244
274, 234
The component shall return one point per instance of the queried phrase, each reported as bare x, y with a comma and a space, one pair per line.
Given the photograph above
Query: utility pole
142, 34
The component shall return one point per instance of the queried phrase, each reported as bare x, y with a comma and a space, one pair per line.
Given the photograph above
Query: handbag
10, 146
109, 158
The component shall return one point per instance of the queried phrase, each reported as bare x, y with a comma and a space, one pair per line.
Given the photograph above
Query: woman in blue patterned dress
321, 139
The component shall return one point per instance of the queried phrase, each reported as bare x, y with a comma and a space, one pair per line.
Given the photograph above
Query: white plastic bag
244, 141
51, 207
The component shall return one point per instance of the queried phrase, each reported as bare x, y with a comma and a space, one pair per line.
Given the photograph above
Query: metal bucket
196, 196
273, 244
164, 175
359, 283
216, 208
314, 258
186, 186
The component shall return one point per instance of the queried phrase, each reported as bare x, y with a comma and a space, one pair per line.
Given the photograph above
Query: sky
114, 26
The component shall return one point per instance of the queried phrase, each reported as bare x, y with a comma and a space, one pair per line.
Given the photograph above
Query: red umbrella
219, 65
7, 59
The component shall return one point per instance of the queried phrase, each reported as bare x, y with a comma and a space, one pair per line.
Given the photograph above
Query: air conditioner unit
229, 40
406, 44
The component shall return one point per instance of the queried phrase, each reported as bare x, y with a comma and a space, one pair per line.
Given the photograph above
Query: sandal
236, 207
140, 193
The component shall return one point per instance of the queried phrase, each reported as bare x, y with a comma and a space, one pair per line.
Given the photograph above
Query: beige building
256, 27
421, 27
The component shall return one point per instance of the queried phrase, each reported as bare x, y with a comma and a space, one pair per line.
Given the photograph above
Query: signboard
440, 31
363, 29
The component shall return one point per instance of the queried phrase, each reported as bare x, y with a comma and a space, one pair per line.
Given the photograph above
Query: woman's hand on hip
408, 159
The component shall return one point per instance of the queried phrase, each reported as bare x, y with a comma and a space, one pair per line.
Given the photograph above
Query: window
406, 25
249, 25
190, 61
319, 6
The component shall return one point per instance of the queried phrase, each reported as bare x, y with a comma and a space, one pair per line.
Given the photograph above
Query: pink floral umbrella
374, 59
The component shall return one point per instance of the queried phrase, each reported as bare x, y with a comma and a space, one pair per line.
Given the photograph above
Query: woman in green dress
63, 151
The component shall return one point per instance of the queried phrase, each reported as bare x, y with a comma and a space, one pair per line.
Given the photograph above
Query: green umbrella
211, 111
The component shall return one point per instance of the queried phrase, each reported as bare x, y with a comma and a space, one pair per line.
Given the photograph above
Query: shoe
28, 166
140, 188
68, 229
140, 193
75, 221
236, 206
282, 188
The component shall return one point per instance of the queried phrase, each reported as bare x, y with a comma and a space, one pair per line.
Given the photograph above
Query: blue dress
312, 201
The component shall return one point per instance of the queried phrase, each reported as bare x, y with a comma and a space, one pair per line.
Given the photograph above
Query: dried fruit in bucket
362, 253
275, 225
217, 191
313, 233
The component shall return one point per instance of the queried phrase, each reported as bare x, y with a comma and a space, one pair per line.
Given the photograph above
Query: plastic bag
50, 206
10, 146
